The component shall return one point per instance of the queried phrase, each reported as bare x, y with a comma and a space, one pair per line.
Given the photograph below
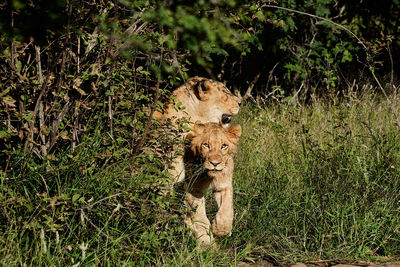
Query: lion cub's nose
215, 163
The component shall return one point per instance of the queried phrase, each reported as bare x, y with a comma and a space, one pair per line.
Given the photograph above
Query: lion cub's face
217, 103
224, 102
214, 144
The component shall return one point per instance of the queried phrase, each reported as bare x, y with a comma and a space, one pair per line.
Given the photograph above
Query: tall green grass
319, 181
311, 182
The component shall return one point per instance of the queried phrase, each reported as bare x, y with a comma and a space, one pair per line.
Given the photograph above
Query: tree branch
251, 86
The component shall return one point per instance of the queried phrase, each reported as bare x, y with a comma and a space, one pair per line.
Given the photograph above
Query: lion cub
209, 161
203, 100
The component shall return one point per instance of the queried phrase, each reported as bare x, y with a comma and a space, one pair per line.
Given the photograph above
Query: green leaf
4, 134
347, 57
75, 197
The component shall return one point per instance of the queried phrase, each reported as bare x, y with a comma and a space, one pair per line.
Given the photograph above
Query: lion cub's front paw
205, 241
221, 229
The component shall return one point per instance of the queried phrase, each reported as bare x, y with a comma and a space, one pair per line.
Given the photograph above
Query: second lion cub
210, 165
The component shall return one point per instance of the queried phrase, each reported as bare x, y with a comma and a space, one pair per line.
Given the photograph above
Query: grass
311, 182
319, 181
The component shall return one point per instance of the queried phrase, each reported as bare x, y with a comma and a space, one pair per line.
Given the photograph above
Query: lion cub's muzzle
226, 118
214, 165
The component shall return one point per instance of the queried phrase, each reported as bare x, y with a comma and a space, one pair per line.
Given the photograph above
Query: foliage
83, 163
296, 48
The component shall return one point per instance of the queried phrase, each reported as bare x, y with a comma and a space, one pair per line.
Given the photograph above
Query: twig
79, 53
97, 202
39, 64
61, 73
69, 20
132, 30
8, 122
296, 94
41, 135
13, 49
45, 184
270, 75
35, 111
110, 114
391, 64
92, 42
56, 125
251, 86
75, 129
26, 68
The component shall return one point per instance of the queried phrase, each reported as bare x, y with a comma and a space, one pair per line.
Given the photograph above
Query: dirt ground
327, 263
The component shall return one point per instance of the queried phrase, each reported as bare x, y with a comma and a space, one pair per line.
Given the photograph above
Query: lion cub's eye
205, 145
224, 146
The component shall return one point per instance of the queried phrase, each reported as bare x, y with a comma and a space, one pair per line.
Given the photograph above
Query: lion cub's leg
178, 170
197, 218
177, 174
223, 195
222, 224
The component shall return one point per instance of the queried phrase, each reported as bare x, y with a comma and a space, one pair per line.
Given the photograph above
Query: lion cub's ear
201, 91
235, 131
198, 128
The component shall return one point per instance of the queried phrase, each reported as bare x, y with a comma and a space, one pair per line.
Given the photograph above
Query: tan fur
203, 100
214, 146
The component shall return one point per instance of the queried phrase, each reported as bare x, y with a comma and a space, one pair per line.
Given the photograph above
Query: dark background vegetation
77, 78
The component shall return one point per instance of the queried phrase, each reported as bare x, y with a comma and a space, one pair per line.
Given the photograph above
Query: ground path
330, 263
